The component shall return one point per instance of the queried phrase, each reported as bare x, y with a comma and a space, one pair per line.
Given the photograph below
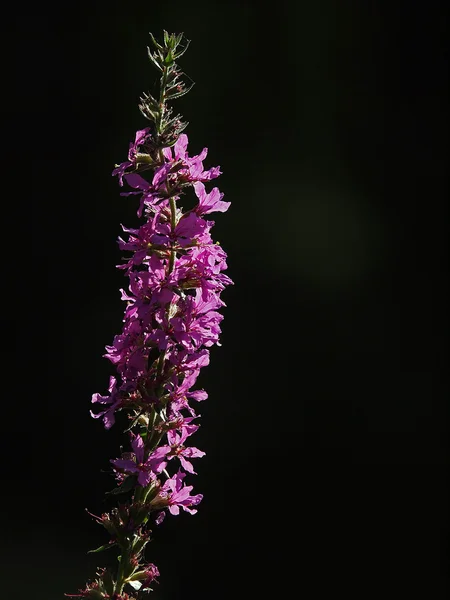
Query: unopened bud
143, 420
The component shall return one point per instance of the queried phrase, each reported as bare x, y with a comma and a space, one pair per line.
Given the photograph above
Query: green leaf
138, 576
181, 52
136, 418
155, 42
101, 548
179, 94
148, 99
153, 59
148, 114
168, 61
139, 544
128, 484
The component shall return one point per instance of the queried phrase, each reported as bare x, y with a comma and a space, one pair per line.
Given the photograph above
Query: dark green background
326, 465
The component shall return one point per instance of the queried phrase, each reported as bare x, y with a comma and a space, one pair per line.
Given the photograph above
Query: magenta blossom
132, 152
176, 448
174, 494
146, 468
112, 400
211, 202
191, 168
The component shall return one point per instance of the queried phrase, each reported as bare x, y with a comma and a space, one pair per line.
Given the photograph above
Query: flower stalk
176, 275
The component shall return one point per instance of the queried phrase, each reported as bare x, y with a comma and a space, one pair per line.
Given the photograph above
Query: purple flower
141, 137
198, 324
113, 400
149, 196
177, 448
211, 202
146, 468
180, 393
151, 573
179, 149
191, 168
176, 494
188, 229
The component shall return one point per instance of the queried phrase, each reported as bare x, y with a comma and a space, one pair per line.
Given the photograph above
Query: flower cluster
175, 279
176, 275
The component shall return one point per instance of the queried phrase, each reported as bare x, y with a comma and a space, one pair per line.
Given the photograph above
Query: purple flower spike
172, 315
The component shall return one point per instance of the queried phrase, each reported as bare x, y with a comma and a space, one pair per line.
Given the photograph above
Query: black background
325, 431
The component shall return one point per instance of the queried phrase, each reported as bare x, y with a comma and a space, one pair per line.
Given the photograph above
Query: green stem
120, 583
161, 108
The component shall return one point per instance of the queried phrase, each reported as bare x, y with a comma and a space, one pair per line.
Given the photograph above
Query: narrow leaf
101, 548
155, 42
178, 54
179, 94
128, 484
153, 59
